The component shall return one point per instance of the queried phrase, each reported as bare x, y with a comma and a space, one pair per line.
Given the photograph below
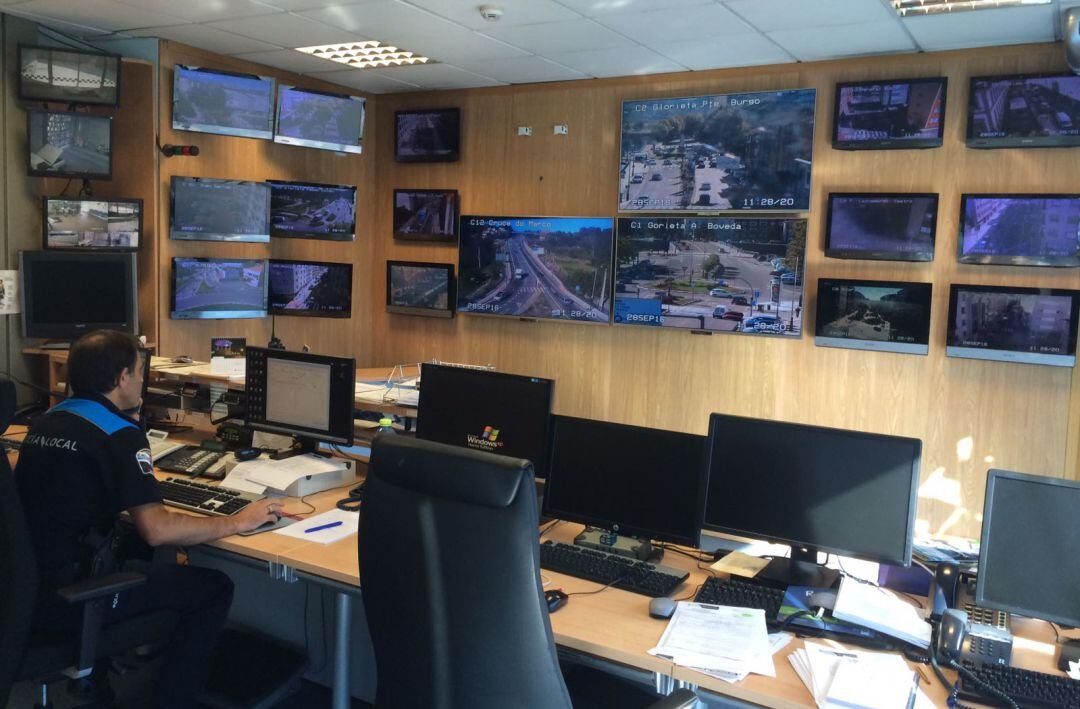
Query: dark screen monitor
1020, 229
642, 482
881, 227
487, 411
427, 135
206, 209
891, 113
815, 488
307, 210
218, 288
1029, 547
68, 76
311, 288
1024, 111
221, 102
66, 294
69, 144
414, 288
108, 224
882, 316
319, 119
1012, 324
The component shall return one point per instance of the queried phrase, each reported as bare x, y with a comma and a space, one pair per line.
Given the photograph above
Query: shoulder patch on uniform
145, 460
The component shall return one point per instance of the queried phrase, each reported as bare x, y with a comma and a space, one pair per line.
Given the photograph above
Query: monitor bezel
890, 143
876, 255
32, 329
111, 200
23, 95
315, 236
174, 314
449, 239
448, 312
356, 149
1012, 260
210, 129
271, 310
453, 156
37, 172
851, 343
215, 236
1011, 141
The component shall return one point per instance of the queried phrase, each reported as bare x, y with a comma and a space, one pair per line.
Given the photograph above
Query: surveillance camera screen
886, 316
718, 274
315, 119
427, 136
208, 101
425, 215
718, 153
312, 211
419, 288
1039, 110
68, 76
211, 288
883, 227
75, 145
536, 267
889, 114
1020, 230
92, 224
205, 209
311, 288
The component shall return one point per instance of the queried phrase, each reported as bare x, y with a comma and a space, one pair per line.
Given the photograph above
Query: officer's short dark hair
98, 358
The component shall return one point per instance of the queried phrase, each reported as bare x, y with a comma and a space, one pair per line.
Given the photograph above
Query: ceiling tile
551, 37
287, 30
813, 43
70, 28
515, 12
101, 14
208, 38
439, 76
982, 28
202, 10
291, 60
617, 62
699, 22
365, 80
524, 70
298, 5
771, 15
750, 49
592, 8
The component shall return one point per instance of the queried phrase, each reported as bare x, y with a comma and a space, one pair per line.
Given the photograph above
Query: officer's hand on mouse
257, 513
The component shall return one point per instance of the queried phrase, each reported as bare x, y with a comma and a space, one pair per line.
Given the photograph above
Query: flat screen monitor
414, 288
717, 274
218, 288
426, 215
110, 224
487, 411
892, 113
206, 209
1024, 111
883, 316
319, 119
643, 482
1029, 547
815, 488
1012, 324
308, 396
881, 227
428, 135
68, 76
536, 267
1020, 229
221, 102
69, 144
748, 151
311, 288
66, 294
307, 210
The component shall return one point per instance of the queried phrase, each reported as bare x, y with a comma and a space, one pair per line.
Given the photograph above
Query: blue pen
322, 527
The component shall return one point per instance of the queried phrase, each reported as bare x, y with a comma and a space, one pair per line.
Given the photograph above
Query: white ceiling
541, 40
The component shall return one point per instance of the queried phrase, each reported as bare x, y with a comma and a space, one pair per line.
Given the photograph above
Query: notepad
350, 523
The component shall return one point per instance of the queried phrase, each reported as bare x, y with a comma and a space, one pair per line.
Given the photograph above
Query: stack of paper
279, 474
728, 643
856, 680
881, 610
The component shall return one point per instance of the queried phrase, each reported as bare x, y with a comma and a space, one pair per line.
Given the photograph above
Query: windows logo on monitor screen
486, 441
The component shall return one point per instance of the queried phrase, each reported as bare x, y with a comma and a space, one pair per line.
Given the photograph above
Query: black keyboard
1026, 688
190, 460
602, 567
208, 499
741, 594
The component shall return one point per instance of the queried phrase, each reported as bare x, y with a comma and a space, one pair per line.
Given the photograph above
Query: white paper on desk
350, 522
886, 682
717, 638
777, 642
237, 480
228, 366
279, 474
1074, 670
879, 609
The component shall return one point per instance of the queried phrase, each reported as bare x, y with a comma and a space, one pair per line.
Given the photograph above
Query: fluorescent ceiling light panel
365, 55
905, 8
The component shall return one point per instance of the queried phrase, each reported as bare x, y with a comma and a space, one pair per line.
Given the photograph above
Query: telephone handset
951, 632
979, 645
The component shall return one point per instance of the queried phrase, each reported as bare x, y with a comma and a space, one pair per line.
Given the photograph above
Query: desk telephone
967, 634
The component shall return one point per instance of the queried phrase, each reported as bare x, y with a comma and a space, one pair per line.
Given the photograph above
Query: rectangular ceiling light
906, 8
365, 55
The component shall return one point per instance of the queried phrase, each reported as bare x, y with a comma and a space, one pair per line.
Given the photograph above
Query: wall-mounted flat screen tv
68, 76
881, 227
717, 274
425, 215
311, 288
888, 114
1024, 111
734, 152
319, 119
218, 288
68, 294
206, 209
307, 210
112, 224
414, 288
221, 102
883, 316
1012, 324
427, 135
536, 267
69, 144
1020, 229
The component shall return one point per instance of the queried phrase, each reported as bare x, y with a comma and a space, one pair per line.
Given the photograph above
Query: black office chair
450, 574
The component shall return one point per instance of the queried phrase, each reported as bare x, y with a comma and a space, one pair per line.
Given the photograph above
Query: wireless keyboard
731, 592
602, 567
1026, 688
208, 499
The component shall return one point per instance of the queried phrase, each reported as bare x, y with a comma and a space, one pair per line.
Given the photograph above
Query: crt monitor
815, 488
487, 411
1029, 547
643, 482
69, 293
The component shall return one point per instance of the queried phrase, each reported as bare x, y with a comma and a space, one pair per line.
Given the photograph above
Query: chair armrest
679, 699
101, 586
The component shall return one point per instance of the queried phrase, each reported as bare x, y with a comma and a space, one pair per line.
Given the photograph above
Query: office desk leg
341, 696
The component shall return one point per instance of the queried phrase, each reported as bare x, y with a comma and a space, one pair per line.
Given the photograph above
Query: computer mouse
182, 359
555, 599
661, 608
821, 599
247, 454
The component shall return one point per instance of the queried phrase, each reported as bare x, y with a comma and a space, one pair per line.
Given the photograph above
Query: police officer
83, 463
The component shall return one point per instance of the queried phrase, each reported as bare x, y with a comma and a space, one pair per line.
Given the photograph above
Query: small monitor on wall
426, 215
1012, 324
221, 102
427, 135
69, 144
1020, 229
310, 288
892, 113
881, 227
414, 288
884, 316
1024, 111
68, 76
319, 119
206, 209
111, 224
306, 210
218, 288
67, 294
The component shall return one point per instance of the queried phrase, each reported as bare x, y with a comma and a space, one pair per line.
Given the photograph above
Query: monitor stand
612, 543
304, 446
802, 569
